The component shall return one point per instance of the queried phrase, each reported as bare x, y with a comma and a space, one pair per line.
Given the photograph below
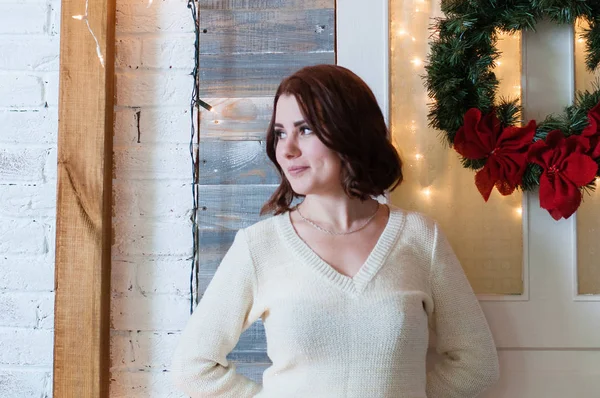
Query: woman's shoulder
264, 231
419, 231
414, 221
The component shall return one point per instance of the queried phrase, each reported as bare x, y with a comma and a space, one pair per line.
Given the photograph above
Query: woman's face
310, 167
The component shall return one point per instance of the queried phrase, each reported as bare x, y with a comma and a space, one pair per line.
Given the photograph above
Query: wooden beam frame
84, 199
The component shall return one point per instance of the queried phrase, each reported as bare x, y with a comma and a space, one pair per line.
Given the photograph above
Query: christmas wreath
561, 155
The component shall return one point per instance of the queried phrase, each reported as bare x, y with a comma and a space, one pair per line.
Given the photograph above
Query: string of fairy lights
401, 33
408, 34
194, 145
195, 117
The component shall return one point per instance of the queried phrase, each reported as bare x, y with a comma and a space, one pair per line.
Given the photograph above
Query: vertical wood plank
83, 210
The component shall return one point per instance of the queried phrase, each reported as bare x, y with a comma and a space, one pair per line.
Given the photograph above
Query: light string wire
194, 154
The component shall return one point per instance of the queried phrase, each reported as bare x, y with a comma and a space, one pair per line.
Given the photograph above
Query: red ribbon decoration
505, 150
567, 168
591, 132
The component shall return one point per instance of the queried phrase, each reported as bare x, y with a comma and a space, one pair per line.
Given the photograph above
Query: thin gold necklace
338, 233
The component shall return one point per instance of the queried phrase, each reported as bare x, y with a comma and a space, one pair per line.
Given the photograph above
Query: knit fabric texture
330, 335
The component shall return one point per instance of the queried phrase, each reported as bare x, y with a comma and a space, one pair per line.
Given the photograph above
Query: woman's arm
470, 361
227, 308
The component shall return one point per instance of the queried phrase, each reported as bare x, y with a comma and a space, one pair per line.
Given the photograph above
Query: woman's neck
337, 213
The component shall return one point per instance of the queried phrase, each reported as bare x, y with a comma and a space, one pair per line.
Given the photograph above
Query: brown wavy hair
342, 111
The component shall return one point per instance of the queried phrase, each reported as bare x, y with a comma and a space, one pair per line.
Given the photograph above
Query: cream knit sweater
332, 336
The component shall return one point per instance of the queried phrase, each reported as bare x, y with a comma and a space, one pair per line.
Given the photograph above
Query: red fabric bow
505, 150
566, 169
591, 132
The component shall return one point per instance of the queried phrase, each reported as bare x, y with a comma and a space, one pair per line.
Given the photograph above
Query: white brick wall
152, 195
29, 53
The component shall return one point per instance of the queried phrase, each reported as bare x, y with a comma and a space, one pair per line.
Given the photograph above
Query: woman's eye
280, 133
305, 130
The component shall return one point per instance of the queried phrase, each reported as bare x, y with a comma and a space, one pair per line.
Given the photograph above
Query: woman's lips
294, 171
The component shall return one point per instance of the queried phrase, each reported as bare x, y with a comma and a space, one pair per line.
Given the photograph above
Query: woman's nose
291, 148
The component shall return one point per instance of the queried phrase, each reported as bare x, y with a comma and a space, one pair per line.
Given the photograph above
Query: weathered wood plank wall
247, 47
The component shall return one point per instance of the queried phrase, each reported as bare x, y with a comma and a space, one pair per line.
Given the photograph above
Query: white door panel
553, 316
548, 374
548, 338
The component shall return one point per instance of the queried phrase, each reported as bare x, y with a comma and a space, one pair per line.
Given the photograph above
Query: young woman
347, 288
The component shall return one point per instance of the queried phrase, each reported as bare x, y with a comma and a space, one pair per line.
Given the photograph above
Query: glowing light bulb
418, 156
519, 211
426, 192
416, 61
401, 32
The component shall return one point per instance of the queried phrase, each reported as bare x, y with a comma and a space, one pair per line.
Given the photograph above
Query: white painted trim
362, 44
576, 295
586, 297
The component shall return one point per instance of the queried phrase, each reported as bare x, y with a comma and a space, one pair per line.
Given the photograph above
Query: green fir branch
589, 189
592, 44
473, 164
531, 177
460, 67
563, 11
509, 112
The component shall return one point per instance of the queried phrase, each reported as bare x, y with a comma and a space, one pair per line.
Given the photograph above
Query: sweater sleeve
227, 308
469, 363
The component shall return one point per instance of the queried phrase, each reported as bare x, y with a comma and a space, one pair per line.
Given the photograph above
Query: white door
548, 338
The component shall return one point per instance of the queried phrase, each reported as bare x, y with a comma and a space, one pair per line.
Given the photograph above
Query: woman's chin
300, 191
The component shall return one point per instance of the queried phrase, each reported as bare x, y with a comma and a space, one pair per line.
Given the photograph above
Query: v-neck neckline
369, 268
